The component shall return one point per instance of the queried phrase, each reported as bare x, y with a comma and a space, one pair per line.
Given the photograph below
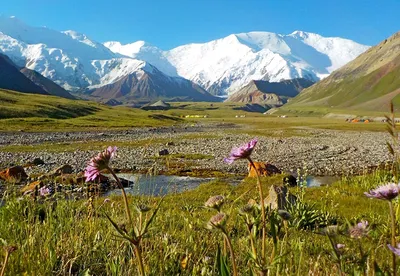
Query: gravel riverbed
322, 152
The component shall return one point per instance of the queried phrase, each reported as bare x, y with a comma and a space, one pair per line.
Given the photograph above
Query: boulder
163, 152
264, 169
279, 197
64, 169
16, 173
289, 180
37, 161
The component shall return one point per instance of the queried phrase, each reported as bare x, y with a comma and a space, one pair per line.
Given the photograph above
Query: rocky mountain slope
269, 93
12, 79
148, 83
369, 82
47, 85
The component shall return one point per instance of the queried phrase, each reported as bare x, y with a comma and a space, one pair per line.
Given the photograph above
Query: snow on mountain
68, 58
226, 65
144, 51
221, 66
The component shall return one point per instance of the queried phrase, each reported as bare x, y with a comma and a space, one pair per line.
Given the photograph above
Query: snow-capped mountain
68, 58
222, 66
226, 65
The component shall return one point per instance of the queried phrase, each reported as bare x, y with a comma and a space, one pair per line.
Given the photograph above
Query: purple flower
388, 192
215, 202
395, 250
44, 191
242, 152
99, 163
359, 230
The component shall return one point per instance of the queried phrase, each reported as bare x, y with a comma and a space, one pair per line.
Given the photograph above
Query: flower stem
138, 254
253, 248
228, 242
260, 190
393, 219
127, 210
3, 270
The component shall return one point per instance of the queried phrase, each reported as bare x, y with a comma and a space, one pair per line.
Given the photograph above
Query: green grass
351, 93
76, 238
28, 112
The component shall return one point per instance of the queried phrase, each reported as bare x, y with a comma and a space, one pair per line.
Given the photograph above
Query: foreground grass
59, 237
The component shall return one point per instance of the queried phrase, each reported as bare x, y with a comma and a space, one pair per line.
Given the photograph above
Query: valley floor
201, 146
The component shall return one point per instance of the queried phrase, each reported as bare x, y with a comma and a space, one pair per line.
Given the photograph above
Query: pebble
321, 152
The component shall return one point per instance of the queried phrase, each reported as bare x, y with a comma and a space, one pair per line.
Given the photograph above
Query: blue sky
170, 23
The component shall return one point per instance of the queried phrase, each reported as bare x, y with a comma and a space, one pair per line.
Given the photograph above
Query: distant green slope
31, 112
21, 105
369, 82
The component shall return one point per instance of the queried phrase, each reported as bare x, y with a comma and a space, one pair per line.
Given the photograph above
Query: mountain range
193, 72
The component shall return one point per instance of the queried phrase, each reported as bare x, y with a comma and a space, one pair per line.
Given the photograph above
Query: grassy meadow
63, 235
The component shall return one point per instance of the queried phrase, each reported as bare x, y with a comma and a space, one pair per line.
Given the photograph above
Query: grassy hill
23, 111
368, 83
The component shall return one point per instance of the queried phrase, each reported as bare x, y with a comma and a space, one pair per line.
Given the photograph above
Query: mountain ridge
222, 66
369, 82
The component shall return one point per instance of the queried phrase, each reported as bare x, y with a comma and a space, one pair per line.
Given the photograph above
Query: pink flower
388, 192
395, 250
44, 191
242, 152
99, 163
359, 230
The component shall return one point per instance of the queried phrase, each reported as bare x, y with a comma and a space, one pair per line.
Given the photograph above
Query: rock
37, 161
125, 183
163, 152
264, 169
32, 186
289, 180
64, 169
16, 173
278, 198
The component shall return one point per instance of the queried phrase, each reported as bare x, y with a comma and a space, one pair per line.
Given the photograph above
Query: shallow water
157, 185
317, 181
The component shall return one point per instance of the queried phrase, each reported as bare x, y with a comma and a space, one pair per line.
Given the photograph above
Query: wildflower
215, 202
359, 230
388, 192
44, 191
217, 221
242, 152
99, 163
395, 250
